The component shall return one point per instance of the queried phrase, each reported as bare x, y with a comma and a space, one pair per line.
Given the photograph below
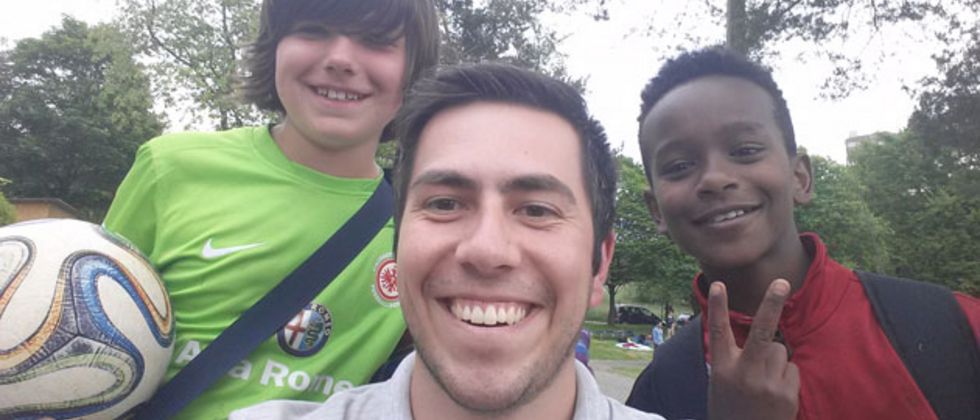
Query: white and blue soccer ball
86, 328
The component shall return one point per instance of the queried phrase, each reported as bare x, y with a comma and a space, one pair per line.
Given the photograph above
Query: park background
885, 97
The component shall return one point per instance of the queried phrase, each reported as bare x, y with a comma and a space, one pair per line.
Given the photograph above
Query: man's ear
803, 179
599, 278
654, 210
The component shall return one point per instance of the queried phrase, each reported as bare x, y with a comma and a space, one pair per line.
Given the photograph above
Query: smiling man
503, 245
505, 205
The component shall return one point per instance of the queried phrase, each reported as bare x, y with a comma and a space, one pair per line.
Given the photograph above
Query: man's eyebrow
541, 182
447, 178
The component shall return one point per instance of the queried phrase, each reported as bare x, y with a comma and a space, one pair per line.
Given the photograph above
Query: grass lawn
607, 350
603, 331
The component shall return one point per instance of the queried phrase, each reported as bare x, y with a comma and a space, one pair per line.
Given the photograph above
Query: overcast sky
618, 57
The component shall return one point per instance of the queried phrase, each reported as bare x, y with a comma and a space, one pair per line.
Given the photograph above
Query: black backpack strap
675, 383
932, 335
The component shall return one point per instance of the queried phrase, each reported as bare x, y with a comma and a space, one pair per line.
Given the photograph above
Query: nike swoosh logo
209, 252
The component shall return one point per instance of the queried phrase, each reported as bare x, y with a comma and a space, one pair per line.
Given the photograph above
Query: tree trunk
611, 318
736, 38
223, 120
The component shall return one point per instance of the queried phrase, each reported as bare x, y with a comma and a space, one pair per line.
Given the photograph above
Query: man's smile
488, 313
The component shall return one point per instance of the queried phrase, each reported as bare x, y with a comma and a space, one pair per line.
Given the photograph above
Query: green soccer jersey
224, 217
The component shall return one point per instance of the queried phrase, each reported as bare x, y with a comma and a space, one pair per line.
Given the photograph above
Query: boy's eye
676, 168
746, 150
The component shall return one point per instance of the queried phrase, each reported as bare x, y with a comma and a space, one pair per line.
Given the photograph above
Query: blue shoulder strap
275, 309
930, 332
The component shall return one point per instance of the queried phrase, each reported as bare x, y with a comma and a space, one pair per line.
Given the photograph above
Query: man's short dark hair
491, 82
716, 61
377, 19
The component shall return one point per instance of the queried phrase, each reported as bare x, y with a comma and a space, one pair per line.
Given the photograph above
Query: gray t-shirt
390, 400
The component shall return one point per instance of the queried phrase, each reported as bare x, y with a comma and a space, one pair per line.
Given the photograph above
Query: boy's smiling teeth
727, 216
337, 95
489, 314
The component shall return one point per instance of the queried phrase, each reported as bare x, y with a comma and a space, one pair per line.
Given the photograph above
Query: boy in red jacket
720, 155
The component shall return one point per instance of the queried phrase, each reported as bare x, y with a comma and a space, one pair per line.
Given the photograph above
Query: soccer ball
85, 323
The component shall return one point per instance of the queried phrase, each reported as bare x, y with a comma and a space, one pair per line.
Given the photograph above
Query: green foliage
768, 22
949, 254
838, 212
74, 107
761, 28
386, 154
660, 270
503, 30
821, 21
948, 106
920, 192
7, 213
942, 148
195, 47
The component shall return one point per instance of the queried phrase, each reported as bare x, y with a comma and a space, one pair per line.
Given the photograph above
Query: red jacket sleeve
971, 307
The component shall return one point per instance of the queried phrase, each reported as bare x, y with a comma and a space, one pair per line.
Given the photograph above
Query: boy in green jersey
225, 216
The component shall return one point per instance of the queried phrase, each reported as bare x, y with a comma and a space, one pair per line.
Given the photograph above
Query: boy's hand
757, 382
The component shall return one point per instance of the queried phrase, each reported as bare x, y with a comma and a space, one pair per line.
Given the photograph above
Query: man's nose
490, 247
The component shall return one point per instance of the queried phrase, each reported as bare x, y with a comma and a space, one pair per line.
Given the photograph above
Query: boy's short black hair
378, 19
716, 61
491, 82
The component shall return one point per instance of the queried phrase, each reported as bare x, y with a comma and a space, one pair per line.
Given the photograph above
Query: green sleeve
133, 213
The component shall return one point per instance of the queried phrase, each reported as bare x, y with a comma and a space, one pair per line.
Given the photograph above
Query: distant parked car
635, 314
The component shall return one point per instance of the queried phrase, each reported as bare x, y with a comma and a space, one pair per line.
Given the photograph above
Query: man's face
495, 252
723, 183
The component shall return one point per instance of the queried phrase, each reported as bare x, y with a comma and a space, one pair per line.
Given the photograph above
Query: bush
7, 214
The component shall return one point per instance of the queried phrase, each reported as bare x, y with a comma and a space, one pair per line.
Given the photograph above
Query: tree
761, 28
195, 48
838, 212
936, 231
74, 107
948, 253
642, 256
943, 132
754, 26
949, 104
7, 211
506, 30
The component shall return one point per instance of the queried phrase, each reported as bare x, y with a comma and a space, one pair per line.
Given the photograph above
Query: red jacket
848, 368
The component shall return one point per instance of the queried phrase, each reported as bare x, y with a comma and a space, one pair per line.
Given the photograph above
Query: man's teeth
337, 95
490, 314
727, 216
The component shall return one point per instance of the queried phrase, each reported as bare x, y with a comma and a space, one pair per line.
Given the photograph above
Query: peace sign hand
757, 382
